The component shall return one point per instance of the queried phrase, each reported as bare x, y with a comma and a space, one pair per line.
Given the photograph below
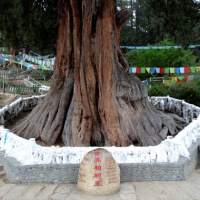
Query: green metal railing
18, 89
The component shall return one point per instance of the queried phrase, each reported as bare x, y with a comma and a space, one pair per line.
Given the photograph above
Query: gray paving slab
31, 192
6, 188
192, 191
173, 190
46, 192
75, 195
65, 188
58, 196
154, 190
15, 193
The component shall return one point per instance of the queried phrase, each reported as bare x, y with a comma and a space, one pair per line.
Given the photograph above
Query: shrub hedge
188, 91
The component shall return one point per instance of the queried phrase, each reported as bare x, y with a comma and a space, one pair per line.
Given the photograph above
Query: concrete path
185, 190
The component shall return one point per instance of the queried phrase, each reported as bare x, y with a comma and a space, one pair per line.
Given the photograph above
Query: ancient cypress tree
93, 99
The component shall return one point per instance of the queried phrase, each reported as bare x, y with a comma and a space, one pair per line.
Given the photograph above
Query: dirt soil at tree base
6, 99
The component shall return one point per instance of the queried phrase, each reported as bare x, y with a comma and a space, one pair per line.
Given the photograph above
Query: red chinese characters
97, 175
111, 173
97, 160
97, 153
97, 168
98, 183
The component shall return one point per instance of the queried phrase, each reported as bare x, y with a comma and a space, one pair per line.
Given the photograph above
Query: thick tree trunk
93, 99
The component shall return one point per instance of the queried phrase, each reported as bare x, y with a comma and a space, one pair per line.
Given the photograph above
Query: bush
161, 57
158, 90
189, 91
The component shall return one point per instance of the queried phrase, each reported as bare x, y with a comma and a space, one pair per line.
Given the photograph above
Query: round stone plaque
99, 173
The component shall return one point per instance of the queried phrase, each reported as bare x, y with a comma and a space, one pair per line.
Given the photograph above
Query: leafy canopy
31, 23
154, 20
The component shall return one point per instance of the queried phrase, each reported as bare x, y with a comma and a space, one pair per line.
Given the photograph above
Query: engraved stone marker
99, 173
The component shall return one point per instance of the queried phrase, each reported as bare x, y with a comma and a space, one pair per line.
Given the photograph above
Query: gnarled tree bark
94, 101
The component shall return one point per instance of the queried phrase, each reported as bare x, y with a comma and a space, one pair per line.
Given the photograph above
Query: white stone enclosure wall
27, 152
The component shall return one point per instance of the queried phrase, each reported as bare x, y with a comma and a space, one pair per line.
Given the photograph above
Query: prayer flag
171, 70
167, 82
180, 78
182, 70
172, 82
197, 69
162, 70
158, 70
138, 70
148, 69
152, 70
192, 69
187, 69
143, 70
177, 70
133, 69
190, 78
167, 70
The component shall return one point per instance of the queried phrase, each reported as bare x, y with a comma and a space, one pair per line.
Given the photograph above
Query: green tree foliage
128, 32
31, 23
34, 23
180, 18
176, 19
155, 20
161, 57
145, 24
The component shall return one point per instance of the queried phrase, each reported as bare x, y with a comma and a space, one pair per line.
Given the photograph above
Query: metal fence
18, 89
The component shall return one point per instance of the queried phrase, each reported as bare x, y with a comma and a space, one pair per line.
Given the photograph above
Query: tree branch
122, 16
122, 60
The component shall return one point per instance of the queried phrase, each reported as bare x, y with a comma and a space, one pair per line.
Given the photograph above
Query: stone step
2, 174
1, 167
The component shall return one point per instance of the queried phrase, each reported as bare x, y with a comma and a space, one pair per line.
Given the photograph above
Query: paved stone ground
184, 190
